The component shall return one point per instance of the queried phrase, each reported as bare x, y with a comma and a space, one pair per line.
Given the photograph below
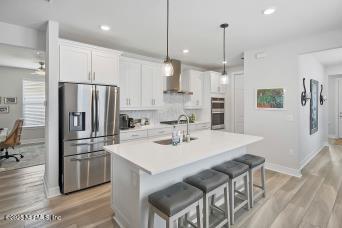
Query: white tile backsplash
173, 107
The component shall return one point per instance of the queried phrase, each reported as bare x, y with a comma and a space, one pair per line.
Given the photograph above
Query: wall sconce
322, 99
304, 97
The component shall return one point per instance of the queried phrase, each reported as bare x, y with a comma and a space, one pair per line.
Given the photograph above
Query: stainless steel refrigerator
88, 120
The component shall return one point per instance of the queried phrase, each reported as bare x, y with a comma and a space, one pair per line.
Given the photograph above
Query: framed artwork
314, 106
4, 109
10, 100
270, 99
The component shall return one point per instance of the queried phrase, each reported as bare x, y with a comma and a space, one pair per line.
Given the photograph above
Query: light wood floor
315, 200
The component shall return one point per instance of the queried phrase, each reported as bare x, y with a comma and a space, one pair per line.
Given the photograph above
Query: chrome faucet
187, 137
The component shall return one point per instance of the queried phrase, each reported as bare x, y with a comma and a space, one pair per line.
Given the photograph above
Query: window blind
34, 103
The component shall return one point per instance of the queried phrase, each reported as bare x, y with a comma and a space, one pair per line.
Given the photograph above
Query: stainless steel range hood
174, 83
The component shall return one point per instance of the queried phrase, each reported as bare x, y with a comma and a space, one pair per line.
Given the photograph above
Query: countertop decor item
304, 97
270, 99
314, 106
322, 99
224, 76
167, 66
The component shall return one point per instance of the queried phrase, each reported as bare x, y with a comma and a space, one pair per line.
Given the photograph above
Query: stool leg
206, 211
212, 203
150, 217
251, 193
226, 205
247, 190
169, 223
231, 200
199, 210
263, 179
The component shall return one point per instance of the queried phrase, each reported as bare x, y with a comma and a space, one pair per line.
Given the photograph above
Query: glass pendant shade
167, 68
224, 79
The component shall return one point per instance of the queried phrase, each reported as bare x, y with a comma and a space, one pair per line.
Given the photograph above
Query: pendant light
224, 77
167, 66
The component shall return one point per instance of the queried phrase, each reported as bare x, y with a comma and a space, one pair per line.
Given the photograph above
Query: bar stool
254, 162
174, 202
236, 171
212, 183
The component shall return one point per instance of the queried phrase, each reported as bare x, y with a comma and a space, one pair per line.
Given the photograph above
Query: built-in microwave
217, 113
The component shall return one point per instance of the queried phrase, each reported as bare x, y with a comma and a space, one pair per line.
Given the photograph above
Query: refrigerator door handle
93, 117
97, 110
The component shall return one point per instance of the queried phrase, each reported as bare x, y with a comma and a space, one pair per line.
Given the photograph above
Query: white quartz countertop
154, 158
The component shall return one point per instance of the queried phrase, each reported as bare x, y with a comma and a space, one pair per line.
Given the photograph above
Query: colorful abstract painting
270, 99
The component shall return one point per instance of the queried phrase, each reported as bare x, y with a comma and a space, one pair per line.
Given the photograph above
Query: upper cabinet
215, 84
192, 80
84, 63
130, 84
141, 84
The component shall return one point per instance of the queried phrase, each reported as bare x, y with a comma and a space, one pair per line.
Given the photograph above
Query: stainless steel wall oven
217, 113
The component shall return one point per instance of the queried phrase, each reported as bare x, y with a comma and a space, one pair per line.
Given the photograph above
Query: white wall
334, 69
310, 145
11, 86
21, 36
280, 69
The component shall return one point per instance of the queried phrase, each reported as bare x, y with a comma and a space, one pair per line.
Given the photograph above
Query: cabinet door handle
129, 101
93, 76
89, 76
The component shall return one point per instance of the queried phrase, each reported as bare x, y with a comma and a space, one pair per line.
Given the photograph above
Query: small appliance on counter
124, 122
131, 123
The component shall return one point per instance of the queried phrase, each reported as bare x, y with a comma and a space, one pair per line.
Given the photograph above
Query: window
34, 103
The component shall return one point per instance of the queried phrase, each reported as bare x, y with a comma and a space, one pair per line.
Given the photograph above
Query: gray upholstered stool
174, 202
236, 171
212, 183
254, 162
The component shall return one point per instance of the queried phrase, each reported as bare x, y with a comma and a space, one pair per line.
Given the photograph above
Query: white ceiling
329, 57
11, 56
139, 25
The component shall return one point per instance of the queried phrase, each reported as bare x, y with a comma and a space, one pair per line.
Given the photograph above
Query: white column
51, 122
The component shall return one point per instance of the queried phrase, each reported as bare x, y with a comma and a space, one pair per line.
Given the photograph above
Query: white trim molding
283, 169
51, 192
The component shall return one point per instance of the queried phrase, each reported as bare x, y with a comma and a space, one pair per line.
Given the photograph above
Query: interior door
339, 108
105, 68
107, 110
75, 64
239, 103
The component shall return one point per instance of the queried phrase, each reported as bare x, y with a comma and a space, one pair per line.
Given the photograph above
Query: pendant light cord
167, 31
224, 50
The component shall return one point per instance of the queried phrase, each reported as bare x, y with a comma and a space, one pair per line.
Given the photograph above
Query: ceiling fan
40, 70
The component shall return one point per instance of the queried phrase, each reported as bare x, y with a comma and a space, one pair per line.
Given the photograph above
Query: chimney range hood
174, 83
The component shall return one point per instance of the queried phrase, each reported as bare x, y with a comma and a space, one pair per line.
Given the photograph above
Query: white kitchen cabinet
105, 68
75, 64
130, 84
83, 63
193, 82
151, 85
215, 84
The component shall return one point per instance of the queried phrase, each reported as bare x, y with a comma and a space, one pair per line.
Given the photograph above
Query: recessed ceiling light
185, 51
105, 27
269, 11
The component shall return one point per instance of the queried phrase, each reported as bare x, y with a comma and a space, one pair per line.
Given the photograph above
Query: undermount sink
169, 141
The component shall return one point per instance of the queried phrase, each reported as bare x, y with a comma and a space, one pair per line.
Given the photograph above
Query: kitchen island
142, 167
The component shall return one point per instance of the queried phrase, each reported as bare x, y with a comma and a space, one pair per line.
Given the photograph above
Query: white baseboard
32, 141
283, 169
51, 192
311, 156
